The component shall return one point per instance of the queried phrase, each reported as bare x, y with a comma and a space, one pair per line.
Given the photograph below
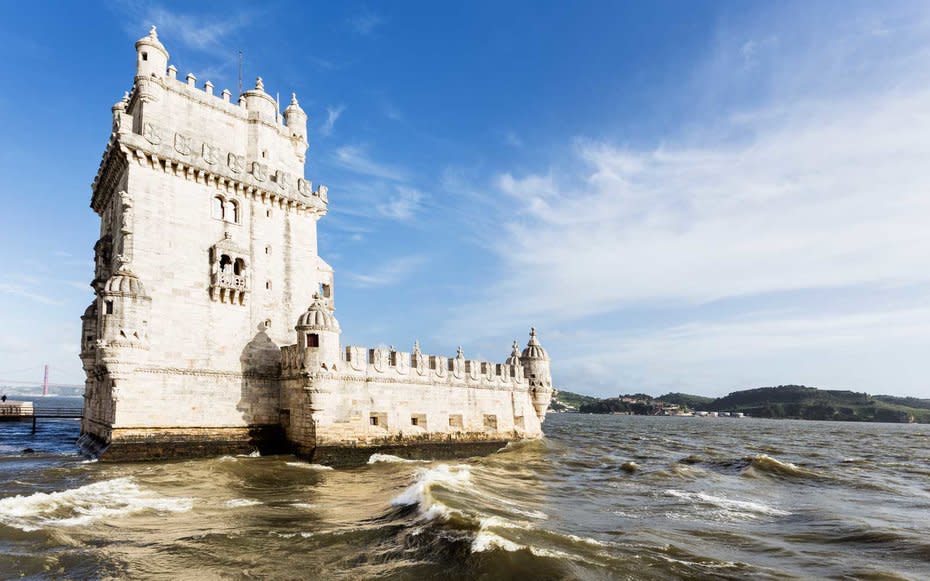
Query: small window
267, 324
219, 208
373, 420
490, 422
268, 249
225, 263
455, 422
108, 307
268, 213
327, 291
239, 266
145, 56
232, 212
267, 285
313, 340
378, 419
414, 420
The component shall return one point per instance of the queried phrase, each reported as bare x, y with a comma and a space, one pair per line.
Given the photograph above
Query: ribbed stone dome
317, 317
533, 349
124, 282
514, 358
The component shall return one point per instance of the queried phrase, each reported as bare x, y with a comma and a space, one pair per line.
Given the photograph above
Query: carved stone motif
236, 163
259, 171
151, 133
211, 153
182, 144
304, 187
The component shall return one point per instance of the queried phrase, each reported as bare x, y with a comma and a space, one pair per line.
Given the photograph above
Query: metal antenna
240, 72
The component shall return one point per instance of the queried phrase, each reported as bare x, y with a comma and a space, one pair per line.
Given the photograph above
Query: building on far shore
213, 328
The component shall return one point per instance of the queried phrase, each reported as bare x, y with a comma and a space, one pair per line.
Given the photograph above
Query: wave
241, 502
765, 464
84, 505
729, 506
309, 466
252, 454
376, 458
419, 493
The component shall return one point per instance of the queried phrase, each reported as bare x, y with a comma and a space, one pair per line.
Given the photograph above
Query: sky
681, 196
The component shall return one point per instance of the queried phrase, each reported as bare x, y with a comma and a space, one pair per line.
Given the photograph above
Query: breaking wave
84, 505
730, 507
241, 502
764, 464
309, 466
376, 458
419, 494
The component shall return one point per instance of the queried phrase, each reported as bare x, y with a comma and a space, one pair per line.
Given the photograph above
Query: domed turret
151, 56
260, 102
318, 334
535, 362
124, 283
296, 118
533, 349
514, 358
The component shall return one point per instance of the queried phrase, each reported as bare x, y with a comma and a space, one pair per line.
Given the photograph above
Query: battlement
390, 365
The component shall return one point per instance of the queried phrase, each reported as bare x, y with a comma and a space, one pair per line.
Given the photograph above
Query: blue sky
692, 196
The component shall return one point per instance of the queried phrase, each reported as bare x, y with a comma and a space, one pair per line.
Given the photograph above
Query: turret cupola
296, 119
514, 358
151, 56
318, 334
533, 349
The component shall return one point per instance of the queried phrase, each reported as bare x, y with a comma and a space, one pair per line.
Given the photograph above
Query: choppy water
603, 497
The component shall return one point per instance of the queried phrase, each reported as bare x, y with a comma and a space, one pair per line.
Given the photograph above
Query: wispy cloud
402, 205
28, 292
203, 32
365, 22
389, 273
355, 159
332, 115
512, 139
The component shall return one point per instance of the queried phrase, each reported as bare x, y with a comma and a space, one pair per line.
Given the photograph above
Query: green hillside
566, 400
783, 401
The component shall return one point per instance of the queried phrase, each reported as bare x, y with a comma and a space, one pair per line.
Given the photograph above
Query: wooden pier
27, 410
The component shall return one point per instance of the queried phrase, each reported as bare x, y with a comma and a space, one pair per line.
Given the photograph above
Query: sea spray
84, 505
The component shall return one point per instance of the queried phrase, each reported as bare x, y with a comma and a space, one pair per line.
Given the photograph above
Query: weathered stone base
131, 445
356, 455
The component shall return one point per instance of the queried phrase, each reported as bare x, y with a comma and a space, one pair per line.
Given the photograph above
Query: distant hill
694, 402
783, 401
568, 401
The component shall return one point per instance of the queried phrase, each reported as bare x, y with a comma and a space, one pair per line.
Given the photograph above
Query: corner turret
535, 362
151, 56
318, 335
261, 103
296, 119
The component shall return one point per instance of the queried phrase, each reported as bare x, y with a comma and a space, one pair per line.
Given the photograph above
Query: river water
602, 497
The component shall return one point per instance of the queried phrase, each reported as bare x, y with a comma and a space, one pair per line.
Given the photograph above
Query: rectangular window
455, 422
313, 340
490, 422
108, 307
378, 419
373, 420
418, 420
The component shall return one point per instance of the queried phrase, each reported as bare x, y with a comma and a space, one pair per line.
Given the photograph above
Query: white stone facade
208, 257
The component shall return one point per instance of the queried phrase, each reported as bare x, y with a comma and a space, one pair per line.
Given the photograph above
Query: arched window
218, 209
239, 266
225, 263
232, 211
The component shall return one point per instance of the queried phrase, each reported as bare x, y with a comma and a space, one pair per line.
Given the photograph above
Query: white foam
309, 466
305, 505
418, 493
486, 541
81, 506
735, 507
253, 454
375, 458
240, 502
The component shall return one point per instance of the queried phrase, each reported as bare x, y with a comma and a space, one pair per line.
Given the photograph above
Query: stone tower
207, 255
